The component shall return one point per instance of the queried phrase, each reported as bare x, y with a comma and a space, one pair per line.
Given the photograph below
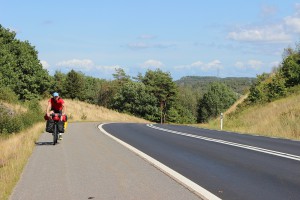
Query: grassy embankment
16, 148
279, 119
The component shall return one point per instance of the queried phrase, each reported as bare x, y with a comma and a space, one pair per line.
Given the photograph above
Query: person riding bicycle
56, 105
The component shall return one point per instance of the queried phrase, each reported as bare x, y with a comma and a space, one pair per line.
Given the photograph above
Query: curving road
229, 165
89, 165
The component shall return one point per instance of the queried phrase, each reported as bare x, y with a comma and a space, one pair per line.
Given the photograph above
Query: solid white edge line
253, 148
198, 190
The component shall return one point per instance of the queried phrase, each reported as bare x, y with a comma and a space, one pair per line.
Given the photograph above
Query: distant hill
200, 83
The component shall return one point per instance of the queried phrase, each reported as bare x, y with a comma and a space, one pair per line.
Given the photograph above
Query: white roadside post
221, 121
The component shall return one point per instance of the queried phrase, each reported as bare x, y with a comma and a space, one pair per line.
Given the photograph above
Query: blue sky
192, 37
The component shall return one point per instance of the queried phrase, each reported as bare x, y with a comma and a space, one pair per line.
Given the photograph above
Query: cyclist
56, 105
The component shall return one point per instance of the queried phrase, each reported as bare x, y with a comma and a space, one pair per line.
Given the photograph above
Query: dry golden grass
15, 151
234, 106
14, 107
277, 119
81, 111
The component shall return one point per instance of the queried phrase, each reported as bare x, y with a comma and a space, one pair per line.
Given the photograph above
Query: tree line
153, 96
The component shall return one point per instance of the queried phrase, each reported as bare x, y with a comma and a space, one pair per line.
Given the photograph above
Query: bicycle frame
55, 117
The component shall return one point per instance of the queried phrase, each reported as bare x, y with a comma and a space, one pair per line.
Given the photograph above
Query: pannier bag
64, 118
50, 126
61, 127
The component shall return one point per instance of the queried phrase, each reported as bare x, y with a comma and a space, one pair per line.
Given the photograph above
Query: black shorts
57, 111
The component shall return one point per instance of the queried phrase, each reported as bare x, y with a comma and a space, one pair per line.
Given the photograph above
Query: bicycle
58, 126
56, 118
55, 125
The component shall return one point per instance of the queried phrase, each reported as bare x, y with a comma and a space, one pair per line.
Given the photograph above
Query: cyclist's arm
64, 109
48, 109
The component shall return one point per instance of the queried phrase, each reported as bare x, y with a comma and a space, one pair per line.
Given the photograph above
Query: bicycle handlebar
56, 116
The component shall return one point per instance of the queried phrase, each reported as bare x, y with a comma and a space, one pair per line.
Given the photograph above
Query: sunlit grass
15, 150
280, 119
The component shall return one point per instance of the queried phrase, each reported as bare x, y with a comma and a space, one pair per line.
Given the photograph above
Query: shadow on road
43, 143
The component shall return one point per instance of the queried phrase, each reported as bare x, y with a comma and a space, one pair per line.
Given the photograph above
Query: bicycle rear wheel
55, 134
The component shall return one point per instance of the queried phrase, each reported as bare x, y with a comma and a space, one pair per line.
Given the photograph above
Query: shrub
8, 95
13, 123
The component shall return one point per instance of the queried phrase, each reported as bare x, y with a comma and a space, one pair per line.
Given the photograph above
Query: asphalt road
229, 165
89, 165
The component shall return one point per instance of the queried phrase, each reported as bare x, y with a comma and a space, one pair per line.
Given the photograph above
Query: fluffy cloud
152, 64
108, 68
199, 65
45, 64
271, 33
284, 30
84, 64
293, 23
250, 64
213, 65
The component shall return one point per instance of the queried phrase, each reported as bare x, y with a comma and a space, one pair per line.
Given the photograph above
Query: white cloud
45, 64
107, 71
152, 64
108, 68
213, 65
270, 33
250, 64
284, 31
84, 64
197, 64
293, 23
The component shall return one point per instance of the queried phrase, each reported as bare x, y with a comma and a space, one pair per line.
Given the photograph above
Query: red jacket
56, 105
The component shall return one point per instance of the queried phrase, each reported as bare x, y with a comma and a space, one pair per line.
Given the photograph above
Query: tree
257, 90
291, 69
74, 85
91, 89
161, 85
20, 68
133, 98
218, 98
120, 76
59, 81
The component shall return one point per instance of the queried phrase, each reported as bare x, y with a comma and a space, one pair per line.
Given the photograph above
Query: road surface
229, 165
89, 165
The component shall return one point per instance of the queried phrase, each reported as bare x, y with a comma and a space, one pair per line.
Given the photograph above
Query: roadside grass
280, 119
80, 111
16, 148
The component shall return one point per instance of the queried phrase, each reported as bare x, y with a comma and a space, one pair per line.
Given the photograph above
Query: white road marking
253, 148
200, 191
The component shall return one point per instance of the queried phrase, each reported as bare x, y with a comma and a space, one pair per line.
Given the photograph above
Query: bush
13, 123
8, 95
